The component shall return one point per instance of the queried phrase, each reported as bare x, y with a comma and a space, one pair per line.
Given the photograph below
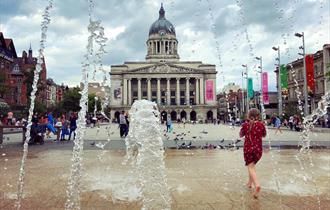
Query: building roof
162, 26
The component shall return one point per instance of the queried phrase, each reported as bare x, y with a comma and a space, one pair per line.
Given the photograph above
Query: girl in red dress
253, 130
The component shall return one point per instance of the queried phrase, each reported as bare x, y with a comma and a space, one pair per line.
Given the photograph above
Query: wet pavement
197, 179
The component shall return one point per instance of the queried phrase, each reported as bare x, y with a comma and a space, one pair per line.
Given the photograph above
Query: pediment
165, 69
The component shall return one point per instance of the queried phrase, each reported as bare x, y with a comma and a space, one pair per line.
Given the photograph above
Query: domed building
182, 89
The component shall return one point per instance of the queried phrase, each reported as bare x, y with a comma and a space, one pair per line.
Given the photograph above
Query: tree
91, 103
71, 99
29, 76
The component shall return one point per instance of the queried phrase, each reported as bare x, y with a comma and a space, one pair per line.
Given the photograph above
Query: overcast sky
226, 33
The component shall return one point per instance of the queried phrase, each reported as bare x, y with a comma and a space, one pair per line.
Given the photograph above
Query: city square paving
197, 179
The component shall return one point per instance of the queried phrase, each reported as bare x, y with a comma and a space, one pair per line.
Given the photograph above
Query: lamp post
247, 95
304, 71
279, 80
261, 93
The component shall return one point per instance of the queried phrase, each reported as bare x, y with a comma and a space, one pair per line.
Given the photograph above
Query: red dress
253, 133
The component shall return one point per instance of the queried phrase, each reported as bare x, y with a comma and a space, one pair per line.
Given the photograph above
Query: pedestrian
127, 124
184, 122
10, 118
64, 130
253, 130
278, 125
73, 125
122, 124
169, 127
291, 122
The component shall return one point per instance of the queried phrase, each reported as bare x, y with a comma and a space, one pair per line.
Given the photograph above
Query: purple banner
209, 90
265, 96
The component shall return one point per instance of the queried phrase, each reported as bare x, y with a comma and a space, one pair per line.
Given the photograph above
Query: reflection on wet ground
198, 179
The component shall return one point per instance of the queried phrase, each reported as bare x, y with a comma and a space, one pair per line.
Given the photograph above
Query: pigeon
204, 132
237, 141
93, 143
194, 137
222, 140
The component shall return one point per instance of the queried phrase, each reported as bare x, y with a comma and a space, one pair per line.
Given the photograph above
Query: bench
12, 127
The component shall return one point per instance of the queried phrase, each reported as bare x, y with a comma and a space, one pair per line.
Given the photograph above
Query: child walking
254, 131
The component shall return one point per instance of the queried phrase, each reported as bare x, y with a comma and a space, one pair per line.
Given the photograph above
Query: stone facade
182, 89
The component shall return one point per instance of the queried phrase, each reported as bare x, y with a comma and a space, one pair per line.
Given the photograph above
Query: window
182, 93
173, 101
144, 93
182, 101
315, 71
153, 93
172, 93
135, 93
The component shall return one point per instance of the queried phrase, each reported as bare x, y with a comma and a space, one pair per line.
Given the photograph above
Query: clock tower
162, 44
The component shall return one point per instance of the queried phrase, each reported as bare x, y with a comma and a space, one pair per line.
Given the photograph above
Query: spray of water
44, 27
96, 32
145, 152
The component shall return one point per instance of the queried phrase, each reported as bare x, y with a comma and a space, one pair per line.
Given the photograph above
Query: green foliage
91, 103
4, 108
39, 107
71, 100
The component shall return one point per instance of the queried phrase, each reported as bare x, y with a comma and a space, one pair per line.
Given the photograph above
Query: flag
309, 59
250, 88
284, 80
265, 97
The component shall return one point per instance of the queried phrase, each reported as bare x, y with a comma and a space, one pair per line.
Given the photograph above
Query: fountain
145, 153
44, 28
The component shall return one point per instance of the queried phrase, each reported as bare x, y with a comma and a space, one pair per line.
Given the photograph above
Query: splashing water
44, 27
96, 33
145, 152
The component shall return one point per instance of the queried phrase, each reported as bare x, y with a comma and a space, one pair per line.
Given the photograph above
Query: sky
226, 33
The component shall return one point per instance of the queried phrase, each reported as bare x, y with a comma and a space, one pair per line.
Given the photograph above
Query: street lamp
247, 95
279, 80
261, 93
304, 71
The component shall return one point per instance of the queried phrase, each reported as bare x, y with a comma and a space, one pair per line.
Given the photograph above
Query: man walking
123, 124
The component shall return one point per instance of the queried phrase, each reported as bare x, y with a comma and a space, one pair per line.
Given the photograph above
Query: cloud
126, 23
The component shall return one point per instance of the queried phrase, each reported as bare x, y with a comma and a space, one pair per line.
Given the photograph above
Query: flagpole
279, 89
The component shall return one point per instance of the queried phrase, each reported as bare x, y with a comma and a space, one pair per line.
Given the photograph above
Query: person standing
73, 125
169, 125
10, 118
278, 125
122, 124
253, 130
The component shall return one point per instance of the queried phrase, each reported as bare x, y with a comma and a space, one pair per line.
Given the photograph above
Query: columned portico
168, 91
177, 91
139, 88
149, 88
187, 91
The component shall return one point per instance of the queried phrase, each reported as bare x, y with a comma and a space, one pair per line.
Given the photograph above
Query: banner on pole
250, 88
265, 97
309, 59
209, 90
284, 80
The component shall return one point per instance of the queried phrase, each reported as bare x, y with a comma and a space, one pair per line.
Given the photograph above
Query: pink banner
265, 96
209, 90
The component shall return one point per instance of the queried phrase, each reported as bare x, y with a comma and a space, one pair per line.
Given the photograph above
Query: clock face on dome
162, 33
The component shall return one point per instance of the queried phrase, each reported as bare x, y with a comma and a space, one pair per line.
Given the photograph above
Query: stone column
125, 92
139, 88
129, 92
187, 91
168, 91
197, 91
201, 84
158, 91
177, 91
149, 88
